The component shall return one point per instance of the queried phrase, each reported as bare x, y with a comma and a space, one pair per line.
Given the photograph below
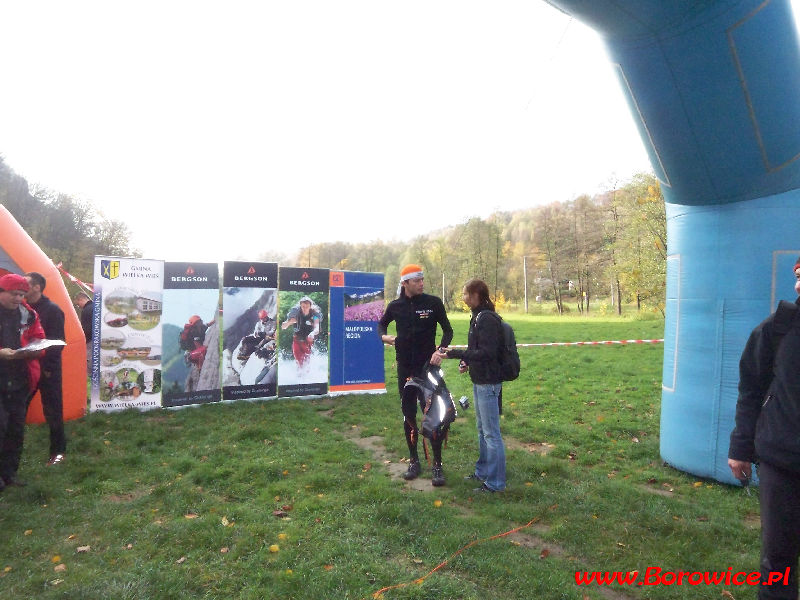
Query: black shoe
413, 470
473, 476
437, 477
484, 488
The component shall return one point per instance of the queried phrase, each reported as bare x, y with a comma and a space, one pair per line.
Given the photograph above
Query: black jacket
768, 408
484, 344
52, 319
415, 320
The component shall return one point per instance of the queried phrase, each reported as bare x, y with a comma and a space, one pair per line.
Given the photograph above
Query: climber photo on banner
249, 346
190, 334
302, 332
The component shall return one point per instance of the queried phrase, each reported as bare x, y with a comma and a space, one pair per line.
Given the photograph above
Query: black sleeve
53, 325
486, 339
755, 376
387, 318
447, 329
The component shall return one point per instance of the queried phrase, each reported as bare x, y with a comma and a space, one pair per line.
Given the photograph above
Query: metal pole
525, 280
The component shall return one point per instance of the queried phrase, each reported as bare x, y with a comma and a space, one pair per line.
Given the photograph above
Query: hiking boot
413, 470
437, 476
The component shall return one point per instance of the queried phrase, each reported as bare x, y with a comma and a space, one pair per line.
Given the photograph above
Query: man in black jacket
52, 318
768, 431
416, 315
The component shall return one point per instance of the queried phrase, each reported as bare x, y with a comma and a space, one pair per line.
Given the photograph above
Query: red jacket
31, 330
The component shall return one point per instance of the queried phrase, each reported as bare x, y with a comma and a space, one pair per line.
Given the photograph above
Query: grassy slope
180, 504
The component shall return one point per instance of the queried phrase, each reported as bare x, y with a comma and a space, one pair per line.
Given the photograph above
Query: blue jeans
491, 464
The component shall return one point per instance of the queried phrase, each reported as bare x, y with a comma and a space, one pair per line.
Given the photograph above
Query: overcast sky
220, 130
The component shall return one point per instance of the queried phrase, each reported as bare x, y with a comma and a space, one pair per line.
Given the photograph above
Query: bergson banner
303, 332
190, 332
250, 310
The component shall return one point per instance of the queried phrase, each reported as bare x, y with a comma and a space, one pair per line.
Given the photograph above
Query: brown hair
479, 287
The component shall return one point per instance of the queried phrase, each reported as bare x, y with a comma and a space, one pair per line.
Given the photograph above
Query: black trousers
13, 408
779, 494
53, 409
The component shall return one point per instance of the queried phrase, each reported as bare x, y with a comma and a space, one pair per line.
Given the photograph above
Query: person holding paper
19, 371
52, 319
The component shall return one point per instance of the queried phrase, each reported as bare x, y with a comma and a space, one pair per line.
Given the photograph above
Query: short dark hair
478, 286
37, 279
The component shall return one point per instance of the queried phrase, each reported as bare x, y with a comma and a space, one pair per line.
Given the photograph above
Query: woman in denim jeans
482, 360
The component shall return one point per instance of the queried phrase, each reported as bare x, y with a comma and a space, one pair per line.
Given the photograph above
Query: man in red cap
19, 371
416, 315
768, 433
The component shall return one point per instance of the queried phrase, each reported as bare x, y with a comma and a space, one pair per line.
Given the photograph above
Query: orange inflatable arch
20, 254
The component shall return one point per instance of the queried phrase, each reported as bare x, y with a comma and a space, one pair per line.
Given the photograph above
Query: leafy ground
302, 499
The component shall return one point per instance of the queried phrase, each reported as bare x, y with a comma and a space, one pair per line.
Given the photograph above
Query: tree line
605, 250
67, 230
601, 251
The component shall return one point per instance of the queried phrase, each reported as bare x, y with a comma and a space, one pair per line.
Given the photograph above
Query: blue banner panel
356, 350
302, 332
190, 334
250, 309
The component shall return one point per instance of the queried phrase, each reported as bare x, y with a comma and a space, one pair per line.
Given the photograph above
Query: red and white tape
86, 286
600, 343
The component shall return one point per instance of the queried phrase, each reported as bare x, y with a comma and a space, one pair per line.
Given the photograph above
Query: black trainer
437, 477
413, 470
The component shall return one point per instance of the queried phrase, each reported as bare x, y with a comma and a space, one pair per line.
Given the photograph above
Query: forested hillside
68, 230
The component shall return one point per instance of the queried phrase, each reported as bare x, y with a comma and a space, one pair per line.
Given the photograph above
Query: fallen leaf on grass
224, 550
56, 581
417, 561
7, 569
274, 548
282, 536
280, 513
72, 537
28, 532
545, 553
437, 503
129, 547
226, 523
328, 567
83, 548
55, 559
180, 560
191, 515
727, 594
697, 484
366, 467
60, 568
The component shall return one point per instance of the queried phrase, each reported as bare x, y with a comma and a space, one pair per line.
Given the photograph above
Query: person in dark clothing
86, 313
416, 316
52, 319
482, 360
766, 432
19, 371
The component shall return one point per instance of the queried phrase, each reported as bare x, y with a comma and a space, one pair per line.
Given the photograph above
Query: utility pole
525, 280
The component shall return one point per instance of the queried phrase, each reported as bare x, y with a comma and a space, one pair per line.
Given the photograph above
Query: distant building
146, 305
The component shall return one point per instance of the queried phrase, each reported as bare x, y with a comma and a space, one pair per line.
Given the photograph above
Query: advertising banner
249, 346
190, 333
303, 332
126, 353
356, 350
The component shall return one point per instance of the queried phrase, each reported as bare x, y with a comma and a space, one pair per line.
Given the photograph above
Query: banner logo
109, 269
189, 270
304, 276
251, 270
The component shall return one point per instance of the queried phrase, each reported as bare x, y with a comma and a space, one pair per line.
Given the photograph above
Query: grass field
301, 499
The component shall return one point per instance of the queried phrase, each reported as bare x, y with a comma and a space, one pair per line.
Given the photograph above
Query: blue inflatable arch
714, 87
